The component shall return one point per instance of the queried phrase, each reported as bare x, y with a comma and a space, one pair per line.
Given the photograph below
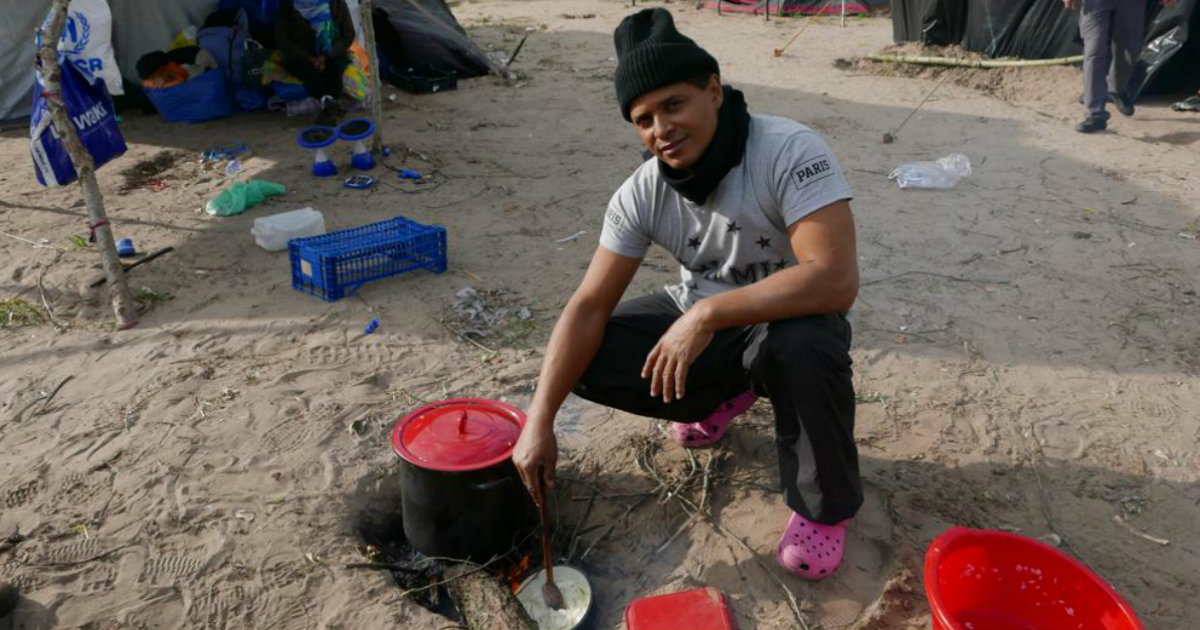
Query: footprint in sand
287, 436
26, 579
359, 354
282, 611
83, 488
222, 605
170, 570
98, 578
23, 493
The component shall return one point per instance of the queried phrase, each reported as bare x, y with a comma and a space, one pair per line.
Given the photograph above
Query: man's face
678, 121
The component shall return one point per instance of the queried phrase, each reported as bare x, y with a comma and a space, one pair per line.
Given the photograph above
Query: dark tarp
421, 32
1171, 58
1044, 29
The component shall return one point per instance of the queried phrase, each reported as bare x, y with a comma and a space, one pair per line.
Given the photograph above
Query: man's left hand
668, 363
1170, 3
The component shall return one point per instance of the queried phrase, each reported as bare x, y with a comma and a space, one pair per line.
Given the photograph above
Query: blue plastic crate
334, 265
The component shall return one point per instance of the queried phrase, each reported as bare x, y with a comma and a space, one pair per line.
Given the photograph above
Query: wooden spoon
550, 592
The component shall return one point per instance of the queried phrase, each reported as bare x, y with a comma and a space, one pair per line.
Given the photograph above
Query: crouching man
756, 211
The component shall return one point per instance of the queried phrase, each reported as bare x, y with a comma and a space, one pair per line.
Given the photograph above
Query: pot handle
489, 485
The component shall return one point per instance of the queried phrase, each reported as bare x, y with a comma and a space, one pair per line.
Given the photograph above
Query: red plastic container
979, 579
695, 609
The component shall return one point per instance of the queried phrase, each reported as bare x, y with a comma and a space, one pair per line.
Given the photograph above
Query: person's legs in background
331, 79
314, 81
323, 85
1128, 35
1096, 28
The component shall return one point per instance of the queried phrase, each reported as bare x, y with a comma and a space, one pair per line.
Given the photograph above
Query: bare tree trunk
118, 289
376, 94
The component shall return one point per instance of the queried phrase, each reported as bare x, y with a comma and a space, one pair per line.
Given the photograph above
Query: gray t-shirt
739, 236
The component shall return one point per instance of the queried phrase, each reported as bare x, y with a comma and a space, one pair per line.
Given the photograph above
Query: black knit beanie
651, 53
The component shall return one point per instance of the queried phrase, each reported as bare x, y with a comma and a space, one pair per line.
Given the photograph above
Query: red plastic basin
979, 579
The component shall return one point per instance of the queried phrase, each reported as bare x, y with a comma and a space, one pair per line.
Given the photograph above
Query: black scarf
725, 151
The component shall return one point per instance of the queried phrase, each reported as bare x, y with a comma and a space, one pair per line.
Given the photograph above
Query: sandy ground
1026, 346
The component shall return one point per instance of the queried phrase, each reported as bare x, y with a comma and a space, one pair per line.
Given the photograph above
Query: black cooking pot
461, 496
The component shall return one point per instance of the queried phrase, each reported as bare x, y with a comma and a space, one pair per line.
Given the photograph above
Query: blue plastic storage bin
196, 100
334, 265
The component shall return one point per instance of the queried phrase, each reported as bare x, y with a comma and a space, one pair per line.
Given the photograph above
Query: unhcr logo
77, 32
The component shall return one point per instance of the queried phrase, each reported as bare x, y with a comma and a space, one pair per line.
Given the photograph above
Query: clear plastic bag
943, 173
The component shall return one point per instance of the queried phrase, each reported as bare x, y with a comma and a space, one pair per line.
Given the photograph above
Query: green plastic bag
242, 195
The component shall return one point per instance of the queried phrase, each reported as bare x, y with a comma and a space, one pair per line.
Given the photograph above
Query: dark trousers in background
1113, 32
319, 83
802, 365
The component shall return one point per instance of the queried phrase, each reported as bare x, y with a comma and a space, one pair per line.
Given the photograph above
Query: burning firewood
485, 601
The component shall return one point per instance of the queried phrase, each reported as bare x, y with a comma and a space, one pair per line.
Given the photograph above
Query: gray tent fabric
16, 58
139, 27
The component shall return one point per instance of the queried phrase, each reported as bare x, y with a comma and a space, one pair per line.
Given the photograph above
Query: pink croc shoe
710, 430
811, 550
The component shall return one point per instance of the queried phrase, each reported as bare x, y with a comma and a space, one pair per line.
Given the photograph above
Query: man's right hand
536, 450
1071, 4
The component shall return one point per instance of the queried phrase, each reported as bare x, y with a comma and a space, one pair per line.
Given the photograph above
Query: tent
1044, 29
141, 26
797, 7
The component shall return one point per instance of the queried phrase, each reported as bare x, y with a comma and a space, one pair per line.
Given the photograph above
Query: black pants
802, 365
319, 83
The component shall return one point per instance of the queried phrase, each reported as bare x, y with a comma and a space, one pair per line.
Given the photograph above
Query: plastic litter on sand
943, 173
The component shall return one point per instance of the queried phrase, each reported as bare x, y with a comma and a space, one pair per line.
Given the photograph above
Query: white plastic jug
273, 232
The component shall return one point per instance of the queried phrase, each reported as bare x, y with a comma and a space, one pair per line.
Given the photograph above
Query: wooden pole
975, 63
376, 95
51, 73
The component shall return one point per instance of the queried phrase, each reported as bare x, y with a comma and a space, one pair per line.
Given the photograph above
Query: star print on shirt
694, 242
763, 242
780, 264
732, 226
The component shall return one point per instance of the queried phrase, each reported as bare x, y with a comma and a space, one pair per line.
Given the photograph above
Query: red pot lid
458, 434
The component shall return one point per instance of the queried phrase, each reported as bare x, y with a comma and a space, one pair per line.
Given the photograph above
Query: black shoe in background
1123, 105
1092, 125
